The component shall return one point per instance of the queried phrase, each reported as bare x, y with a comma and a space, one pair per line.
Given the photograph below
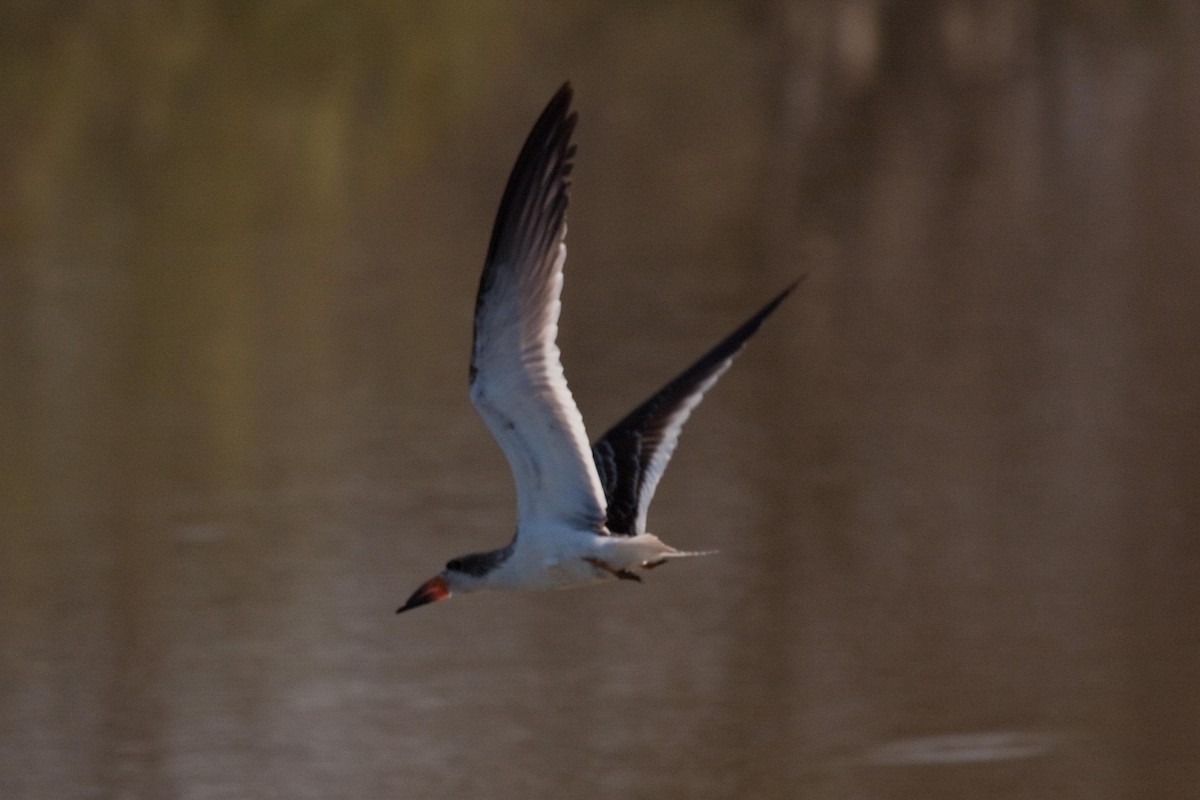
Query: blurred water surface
954, 481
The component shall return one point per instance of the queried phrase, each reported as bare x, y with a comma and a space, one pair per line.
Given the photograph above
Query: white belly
561, 562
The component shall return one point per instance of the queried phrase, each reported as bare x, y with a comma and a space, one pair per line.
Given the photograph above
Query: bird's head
463, 574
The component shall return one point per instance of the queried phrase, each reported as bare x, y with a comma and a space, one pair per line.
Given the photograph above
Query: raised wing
517, 382
633, 455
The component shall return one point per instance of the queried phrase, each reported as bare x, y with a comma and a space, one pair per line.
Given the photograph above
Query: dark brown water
954, 481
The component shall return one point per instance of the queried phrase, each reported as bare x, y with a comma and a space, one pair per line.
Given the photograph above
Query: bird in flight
581, 511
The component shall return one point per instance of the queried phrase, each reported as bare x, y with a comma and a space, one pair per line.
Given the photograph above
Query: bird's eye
454, 564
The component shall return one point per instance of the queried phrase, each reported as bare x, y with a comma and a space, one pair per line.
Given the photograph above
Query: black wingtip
750, 326
559, 108
779, 298
541, 172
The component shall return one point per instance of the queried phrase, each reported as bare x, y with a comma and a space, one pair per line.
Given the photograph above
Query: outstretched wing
633, 455
517, 382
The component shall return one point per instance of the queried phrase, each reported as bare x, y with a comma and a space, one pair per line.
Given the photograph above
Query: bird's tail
690, 553
662, 558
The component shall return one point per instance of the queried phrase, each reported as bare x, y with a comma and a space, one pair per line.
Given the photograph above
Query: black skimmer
581, 512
